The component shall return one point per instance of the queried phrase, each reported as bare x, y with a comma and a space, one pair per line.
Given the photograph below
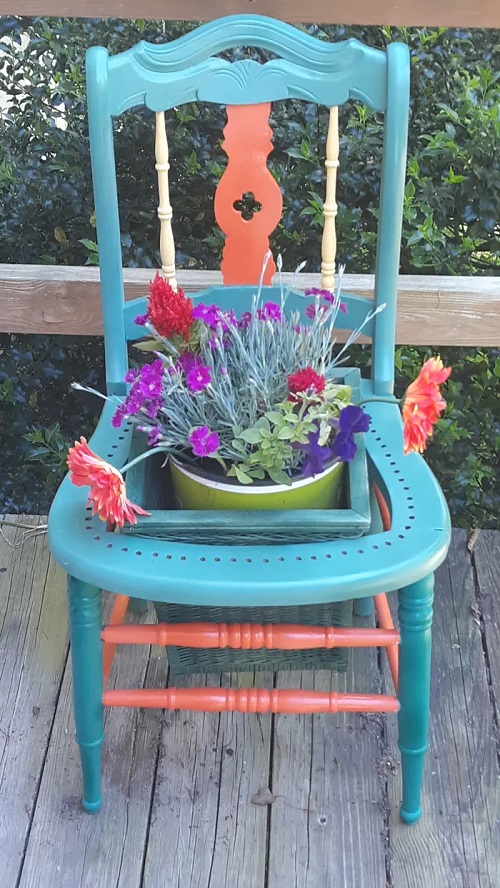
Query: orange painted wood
247, 636
382, 609
250, 700
116, 619
247, 143
385, 622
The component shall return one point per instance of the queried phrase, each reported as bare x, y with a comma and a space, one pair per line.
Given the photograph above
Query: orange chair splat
248, 201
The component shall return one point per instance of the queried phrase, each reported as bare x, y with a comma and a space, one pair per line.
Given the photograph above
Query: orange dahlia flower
423, 404
107, 487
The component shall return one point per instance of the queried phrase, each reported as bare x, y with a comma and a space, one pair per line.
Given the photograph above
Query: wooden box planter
149, 484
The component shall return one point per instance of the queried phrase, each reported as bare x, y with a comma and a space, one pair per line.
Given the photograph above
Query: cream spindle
162, 166
329, 240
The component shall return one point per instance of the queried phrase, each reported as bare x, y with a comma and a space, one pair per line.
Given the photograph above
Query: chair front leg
415, 619
85, 622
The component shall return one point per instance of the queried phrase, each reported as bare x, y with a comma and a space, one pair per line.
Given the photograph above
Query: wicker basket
149, 485
185, 661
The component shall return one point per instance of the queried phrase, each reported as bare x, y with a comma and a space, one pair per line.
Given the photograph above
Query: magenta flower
326, 295
141, 320
198, 378
272, 311
311, 311
244, 321
207, 313
203, 441
150, 379
118, 416
187, 361
154, 435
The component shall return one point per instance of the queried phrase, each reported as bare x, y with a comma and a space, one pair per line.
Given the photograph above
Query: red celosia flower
107, 487
306, 380
423, 405
170, 312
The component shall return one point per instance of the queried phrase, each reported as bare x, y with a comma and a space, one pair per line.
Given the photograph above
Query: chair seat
260, 575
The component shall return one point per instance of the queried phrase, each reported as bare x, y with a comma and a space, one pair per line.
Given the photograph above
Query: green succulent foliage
272, 436
450, 226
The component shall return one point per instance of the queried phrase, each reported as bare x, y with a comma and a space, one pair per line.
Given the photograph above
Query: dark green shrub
46, 216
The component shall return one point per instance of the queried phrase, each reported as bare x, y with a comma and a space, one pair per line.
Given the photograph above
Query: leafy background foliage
451, 222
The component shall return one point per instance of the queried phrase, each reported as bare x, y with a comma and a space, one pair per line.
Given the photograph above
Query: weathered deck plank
334, 821
486, 559
67, 847
210, 767
328, 821
457, 842
33, 650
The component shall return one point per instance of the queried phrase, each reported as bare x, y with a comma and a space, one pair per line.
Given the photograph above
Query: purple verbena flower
141, 320
344, 446
317, 455
203, 441
198, 378
354, 419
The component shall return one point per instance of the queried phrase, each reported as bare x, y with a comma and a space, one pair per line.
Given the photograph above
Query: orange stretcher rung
249, 636
250, 700
382, 609
116, 619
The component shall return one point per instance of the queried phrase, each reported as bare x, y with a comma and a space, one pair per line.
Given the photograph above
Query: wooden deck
232, 801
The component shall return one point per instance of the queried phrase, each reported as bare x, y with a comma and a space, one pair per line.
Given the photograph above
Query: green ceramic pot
197, 489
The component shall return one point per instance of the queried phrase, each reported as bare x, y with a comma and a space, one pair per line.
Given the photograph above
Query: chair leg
85, 621
415, 619
363, 607
138, 605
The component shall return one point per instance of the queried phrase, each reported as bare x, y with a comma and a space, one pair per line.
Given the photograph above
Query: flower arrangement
253, 396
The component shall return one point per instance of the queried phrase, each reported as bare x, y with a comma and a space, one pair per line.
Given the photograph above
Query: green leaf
279, 477
242, 476
251, 436
148, 346
286, 433
275, 417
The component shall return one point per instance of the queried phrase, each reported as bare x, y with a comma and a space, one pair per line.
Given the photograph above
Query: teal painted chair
404, 553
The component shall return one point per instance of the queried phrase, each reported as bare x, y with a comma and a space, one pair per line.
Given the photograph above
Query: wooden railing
431, 310
440, 13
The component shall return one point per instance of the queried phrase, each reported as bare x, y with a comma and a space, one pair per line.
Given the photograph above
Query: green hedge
451, 225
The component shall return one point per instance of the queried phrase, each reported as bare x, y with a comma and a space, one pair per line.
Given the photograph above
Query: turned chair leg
415, 620
85, 622
363, 607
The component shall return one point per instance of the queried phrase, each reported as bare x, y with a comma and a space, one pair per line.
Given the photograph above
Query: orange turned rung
250, 700
249, 636
382, 609
116, 619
